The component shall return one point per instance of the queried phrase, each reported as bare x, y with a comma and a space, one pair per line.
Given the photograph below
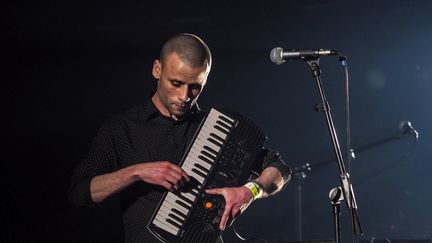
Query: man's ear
157, 69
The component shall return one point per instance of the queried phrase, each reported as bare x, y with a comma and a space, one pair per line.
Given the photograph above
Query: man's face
179, 85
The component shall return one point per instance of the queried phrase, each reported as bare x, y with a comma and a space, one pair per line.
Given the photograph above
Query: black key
208, 155
178, 212
224, 125
214, 142
199, 173
205, 159
185, 199
221, 129
188, 186
226, 120
202, 168
182, 204
176, 218
194, 183
173, 223
194, 193
202, 172
217, 137
211, 150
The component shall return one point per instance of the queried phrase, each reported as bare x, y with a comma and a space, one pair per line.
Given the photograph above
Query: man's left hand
237, 199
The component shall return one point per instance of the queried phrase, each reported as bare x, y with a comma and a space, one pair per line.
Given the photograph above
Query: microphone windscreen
276, 55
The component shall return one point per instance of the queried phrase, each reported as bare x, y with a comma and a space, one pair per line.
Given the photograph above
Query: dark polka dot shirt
140, 135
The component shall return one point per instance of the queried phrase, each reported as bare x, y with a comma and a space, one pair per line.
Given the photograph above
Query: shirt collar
150, 111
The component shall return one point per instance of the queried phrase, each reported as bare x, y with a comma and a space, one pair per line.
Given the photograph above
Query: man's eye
176, 83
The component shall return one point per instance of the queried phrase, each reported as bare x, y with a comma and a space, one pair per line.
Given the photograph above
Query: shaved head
190, 49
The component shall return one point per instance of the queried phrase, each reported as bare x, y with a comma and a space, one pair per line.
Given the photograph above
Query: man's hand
237, 199
161, 173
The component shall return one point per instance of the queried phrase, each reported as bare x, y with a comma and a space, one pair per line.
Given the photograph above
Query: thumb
214, 191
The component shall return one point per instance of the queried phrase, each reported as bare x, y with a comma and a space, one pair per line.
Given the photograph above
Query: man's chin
179, 112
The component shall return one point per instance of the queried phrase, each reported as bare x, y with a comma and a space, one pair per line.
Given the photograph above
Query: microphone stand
347, 188
300, 174
395, 136
336, 197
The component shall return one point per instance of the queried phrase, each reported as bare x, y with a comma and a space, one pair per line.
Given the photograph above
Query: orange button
208, 205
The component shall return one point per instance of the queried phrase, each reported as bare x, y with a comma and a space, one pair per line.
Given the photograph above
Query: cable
390, 166
349, 151
343, 61
248, 239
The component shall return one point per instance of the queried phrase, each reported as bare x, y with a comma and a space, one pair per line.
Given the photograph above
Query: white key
161, 223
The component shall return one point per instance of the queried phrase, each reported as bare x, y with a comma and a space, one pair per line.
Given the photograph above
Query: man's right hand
161, 173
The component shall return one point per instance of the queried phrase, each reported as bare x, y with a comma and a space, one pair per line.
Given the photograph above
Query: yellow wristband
254, 188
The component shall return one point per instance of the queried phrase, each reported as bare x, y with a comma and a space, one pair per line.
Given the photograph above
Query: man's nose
184, 95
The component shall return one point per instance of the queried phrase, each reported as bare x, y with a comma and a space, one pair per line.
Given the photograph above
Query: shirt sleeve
272, 158
101, 159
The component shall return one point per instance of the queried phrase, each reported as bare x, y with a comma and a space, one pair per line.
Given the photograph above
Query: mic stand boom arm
347, 188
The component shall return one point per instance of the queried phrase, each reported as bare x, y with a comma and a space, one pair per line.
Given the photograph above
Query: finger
174, 178
214, 191
179, 171
184, 174
175, 181
168, 185
224, 219
235, 213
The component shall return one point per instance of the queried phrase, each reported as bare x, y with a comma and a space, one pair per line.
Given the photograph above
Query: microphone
278, 55
406, 127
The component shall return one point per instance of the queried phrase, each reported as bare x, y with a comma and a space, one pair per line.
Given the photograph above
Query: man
135, 155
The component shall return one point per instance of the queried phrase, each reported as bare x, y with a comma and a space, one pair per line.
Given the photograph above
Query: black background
69, 65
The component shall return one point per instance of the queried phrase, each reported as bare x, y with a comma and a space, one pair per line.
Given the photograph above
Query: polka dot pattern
140, 135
